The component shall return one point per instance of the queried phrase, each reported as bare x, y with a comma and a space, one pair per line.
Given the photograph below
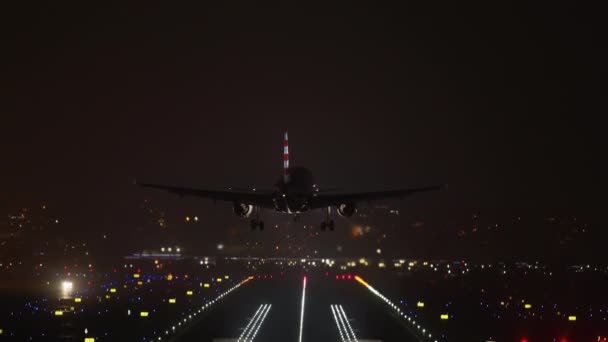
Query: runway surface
277, 303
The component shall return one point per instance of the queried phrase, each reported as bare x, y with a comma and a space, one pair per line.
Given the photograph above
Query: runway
271, 310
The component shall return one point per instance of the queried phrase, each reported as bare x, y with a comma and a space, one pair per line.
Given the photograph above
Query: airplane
294, 193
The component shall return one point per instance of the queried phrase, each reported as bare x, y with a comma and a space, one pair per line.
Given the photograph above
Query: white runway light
337, 323
396, 308
240, 339
302, 310
350, 329
255, 332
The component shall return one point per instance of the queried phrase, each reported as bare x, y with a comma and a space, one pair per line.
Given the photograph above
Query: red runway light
349, 277
343, 277
337, 277
523, 339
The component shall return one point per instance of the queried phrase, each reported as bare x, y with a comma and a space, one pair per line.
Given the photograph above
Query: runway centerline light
302, 308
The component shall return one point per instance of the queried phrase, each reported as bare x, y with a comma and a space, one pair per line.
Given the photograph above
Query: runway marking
260, 324
421, 330
337, 323
352, 333
260, 308
302, 310
176, 328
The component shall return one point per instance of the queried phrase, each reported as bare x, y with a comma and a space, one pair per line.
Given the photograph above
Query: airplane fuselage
293, 191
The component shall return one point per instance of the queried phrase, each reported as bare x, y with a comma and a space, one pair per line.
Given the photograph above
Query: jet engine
346, 209
242, 209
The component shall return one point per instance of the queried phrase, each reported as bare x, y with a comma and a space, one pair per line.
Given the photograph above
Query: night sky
499, 101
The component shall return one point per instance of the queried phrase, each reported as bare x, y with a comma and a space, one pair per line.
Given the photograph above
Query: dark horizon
498, 102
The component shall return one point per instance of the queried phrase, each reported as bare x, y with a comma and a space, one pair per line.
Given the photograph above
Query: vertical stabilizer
285, 158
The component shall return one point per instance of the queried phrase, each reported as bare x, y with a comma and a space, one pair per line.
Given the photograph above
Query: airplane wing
325, 200
263, 200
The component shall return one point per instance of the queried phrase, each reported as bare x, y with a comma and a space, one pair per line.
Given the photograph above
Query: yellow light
1, 331
189, 292
156, 262
113, 290
572, 318
226, 277
171, 300
107, 296
206, 285
528, 306
420, 304
136, 275
143, 314
444, 317
58, 313
219, 280
140, 282
187, 218
77, 299
169, 277
89, 339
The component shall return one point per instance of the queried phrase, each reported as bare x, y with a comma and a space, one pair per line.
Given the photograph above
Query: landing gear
256, 222
327, 223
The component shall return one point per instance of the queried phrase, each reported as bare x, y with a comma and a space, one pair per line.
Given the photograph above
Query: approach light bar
337, 323
302, 309
421, 330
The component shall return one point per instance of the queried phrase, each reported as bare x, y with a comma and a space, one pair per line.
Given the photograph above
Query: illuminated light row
302, 309
352, 333
203, 308
410, 320
337, 323
342, 324
248, 324
260, 324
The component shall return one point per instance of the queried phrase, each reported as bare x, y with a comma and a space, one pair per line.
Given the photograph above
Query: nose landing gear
327, 224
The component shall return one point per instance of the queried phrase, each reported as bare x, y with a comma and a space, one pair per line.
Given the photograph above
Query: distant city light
379, 251
220, 246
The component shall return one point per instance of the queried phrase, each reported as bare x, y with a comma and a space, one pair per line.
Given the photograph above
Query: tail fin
285, 158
